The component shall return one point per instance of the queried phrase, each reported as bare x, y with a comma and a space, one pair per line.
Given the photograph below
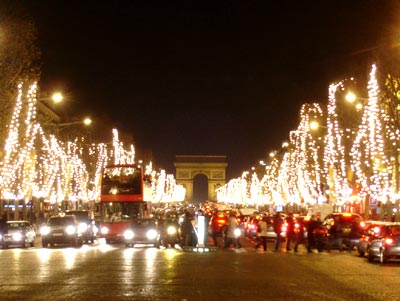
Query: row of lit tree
345, 155
37, 165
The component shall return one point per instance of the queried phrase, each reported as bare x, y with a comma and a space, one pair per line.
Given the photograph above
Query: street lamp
351, 98
314, 125
86, 121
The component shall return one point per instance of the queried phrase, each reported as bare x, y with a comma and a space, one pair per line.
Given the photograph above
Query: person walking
262, 234
187, 230
289, 230
230, 237
278, 223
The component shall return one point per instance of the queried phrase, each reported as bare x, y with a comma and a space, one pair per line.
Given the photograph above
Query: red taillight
297, 226
221, 221
389, 241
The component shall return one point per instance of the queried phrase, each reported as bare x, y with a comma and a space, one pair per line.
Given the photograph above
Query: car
386, 244
142, 231
372, 230
62, 229
271, 235
18, 233
86, 223
343, 229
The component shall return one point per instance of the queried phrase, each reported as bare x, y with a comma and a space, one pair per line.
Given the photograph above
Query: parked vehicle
62, 229
18, 233
386, 245
142, 231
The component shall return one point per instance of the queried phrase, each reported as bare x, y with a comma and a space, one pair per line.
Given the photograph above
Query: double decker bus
121, 199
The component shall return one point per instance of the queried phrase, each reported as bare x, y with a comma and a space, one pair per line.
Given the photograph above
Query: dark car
18, 233
386, 245
142, 231
372, 230
343, 229
86, 223
62, 229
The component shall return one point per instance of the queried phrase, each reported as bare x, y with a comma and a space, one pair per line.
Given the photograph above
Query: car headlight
44, 230
237, 232
151, 234
171, 230
70, 230
82, 227
104, 230
1, 237
128, 234
17, 236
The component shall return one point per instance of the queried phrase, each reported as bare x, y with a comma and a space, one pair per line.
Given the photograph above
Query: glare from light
350, 97
87, 121
57, 97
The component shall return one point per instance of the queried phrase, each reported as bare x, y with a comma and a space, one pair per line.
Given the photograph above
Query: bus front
121, 199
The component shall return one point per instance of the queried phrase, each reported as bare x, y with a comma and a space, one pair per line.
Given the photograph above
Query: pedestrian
289, 230
278, 224
230, 235
216, 224
187, 230
314, 238
299, 231
262, 233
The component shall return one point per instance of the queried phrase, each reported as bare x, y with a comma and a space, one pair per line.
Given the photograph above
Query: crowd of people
226, 229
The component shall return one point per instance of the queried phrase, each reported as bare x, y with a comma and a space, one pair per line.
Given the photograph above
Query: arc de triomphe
213, 167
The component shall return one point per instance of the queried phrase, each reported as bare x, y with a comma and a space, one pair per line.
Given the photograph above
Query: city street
113, 272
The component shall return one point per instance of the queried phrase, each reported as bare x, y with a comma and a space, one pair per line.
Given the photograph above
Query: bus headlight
44, 230
128, 234
70, 230
104, 230
151, 234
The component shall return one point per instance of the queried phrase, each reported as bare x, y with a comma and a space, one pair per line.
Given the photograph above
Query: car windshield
16, 226
81, 216
143, 222
60, 221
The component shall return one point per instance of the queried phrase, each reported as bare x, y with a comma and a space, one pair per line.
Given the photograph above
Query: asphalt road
113, 272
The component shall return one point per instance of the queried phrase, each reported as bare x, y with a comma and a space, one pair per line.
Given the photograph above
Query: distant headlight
45, 230
128, 234
17, 236
70, 230
171, 230
151, 234
104, 230
82, 227
237, 232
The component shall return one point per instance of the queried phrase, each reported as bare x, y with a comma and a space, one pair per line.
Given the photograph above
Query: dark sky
199, 77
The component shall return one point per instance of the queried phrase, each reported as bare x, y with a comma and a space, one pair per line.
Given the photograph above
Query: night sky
206, 78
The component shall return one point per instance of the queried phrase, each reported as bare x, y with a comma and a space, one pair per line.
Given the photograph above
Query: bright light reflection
151, 254
44, 255
69, 255
103, 247
128, 253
